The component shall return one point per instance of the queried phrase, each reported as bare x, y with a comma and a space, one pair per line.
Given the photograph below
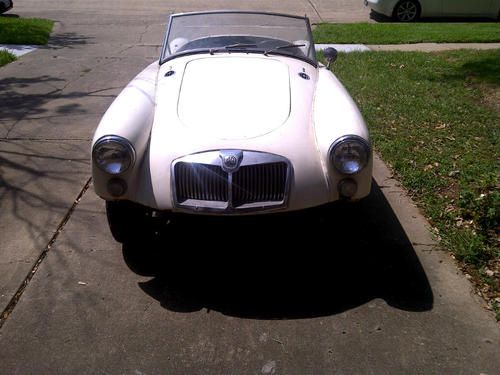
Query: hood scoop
234, 97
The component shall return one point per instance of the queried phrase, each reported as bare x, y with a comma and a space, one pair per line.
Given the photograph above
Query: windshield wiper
285, 46
232, 46
240, 45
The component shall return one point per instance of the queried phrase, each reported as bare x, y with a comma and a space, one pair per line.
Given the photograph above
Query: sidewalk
432, 47
417, 47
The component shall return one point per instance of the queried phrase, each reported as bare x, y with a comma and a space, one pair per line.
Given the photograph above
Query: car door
431, 8
466, 7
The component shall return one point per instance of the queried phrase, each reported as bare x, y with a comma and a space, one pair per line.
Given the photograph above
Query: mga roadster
237, 117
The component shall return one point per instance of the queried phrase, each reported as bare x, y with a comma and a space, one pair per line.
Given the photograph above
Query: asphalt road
366, 292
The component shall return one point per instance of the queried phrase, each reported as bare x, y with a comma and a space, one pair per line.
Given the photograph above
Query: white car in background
411, 10
237, 118
5, 5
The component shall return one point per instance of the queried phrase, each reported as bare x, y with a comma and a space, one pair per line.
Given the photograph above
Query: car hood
234, 98
245, 101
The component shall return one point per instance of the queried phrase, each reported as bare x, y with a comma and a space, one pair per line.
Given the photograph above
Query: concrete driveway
366, 293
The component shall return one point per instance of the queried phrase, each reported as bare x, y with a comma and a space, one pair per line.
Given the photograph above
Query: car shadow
315, 263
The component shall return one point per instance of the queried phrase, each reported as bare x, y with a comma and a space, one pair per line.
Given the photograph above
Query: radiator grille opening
259, 183
203, 182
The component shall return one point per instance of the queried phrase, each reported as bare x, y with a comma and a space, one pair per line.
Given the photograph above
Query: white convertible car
236, 118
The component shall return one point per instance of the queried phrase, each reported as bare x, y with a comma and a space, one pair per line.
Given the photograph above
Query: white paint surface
235, 98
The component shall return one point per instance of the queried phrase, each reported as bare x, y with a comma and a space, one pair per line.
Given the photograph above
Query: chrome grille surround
202, 182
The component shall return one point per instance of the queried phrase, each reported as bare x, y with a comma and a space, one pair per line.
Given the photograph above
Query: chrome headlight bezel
122, 145
362, 148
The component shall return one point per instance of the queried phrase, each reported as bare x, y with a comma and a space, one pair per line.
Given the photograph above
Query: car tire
406, 11
125, 219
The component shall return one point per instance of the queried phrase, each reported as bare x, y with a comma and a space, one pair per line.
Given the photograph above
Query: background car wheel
406, 11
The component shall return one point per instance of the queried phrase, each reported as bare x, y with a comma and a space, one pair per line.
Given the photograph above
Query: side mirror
330, 55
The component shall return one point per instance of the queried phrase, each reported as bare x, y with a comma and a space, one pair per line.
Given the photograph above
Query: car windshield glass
250, 32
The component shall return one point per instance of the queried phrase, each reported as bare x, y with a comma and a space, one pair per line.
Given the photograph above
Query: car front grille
202, 182
260, 182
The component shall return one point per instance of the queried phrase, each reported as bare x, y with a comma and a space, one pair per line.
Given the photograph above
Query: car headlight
113, 154
350, 154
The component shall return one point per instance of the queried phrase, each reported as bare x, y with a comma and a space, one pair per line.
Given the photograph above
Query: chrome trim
248, 158
114, 138
366, 144
231, 11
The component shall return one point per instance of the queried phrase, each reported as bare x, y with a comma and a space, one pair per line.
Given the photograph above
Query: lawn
398, 33
435, 118
6, 57
24, 30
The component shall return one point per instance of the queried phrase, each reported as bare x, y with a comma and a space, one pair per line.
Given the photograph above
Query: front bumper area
384, 7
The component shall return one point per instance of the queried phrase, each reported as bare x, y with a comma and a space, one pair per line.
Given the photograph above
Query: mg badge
231, 160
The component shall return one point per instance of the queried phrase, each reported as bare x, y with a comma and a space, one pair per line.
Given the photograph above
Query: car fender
130, 116
336, 115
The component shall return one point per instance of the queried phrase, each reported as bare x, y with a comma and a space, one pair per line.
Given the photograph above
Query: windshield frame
305, 58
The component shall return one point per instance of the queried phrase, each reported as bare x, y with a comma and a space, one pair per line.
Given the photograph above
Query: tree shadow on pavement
32, 177
68, 40
314, 263
18, 102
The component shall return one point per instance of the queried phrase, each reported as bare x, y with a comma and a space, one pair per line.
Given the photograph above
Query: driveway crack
17, 296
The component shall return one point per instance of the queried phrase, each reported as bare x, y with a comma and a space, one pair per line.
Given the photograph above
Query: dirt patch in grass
491, 97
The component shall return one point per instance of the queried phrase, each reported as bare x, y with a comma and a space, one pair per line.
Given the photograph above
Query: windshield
234, 31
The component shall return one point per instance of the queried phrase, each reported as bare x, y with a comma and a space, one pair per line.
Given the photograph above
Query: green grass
24, 30
6, 57
398, 33
435, 118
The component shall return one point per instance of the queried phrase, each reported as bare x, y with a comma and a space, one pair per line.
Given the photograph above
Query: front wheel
130, 222
406, 11
125, 220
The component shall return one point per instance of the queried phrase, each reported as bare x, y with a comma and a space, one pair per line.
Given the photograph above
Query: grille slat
259, 183
198, 184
